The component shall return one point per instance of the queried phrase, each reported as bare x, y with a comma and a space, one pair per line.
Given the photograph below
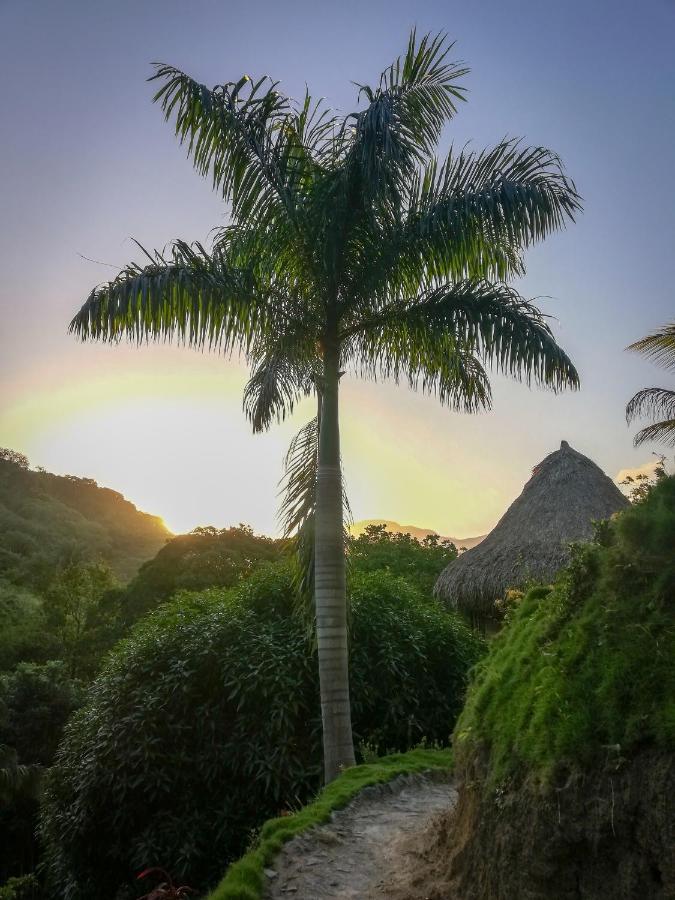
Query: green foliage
401, 554
20, 888
584, 671
23, 627
206, 721
35, 702
14, 457
207, 557
77, 617
245, 879
641, 485
48, 521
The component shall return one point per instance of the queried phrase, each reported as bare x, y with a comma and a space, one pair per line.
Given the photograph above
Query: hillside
47, 520
565, 750
358, 528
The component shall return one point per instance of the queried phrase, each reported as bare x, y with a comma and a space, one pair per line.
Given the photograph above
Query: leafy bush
23, 628
585, 669
401, 554
207, 557
35, 702
206, 721
21, 888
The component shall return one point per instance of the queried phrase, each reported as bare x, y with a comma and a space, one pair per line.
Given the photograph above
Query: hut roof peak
566, 493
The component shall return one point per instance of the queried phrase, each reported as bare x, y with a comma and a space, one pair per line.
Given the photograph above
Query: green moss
583, 672
245, 879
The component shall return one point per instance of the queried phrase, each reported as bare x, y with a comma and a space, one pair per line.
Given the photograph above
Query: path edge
245, 879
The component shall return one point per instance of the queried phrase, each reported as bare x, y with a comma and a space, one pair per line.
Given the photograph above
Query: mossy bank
565, 750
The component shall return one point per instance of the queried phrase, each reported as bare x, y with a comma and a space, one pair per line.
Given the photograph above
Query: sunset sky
87, 163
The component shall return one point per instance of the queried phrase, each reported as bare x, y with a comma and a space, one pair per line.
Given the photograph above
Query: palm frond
658, 346
469, 218
511, 195
446, 327
247, 136
436, 365
406, 112
298, 485
188, 294
296, 512
277, 383
651, 402
664, 432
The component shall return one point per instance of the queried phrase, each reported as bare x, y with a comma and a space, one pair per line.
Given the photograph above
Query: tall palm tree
655, 402
352, 249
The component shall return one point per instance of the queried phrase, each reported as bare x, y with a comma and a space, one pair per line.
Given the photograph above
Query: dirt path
367, 846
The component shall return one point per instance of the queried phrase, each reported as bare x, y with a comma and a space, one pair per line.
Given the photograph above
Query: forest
213, 606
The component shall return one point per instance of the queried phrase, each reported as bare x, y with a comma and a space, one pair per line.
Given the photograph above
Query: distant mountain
47, 520
420, 533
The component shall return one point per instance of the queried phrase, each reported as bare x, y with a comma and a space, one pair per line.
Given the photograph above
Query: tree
75, 613
658, 403
401, 554
14, 457
351, 248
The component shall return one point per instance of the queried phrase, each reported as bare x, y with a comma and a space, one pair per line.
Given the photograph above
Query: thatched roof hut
565, 494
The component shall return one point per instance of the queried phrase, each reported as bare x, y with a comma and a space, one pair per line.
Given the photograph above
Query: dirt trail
367, 848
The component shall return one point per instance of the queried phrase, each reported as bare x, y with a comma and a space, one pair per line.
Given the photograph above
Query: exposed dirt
606, 835
373, 840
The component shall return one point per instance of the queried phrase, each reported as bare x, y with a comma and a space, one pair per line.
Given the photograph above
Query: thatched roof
565, 494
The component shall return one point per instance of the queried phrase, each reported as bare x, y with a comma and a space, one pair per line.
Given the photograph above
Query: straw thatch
565, 494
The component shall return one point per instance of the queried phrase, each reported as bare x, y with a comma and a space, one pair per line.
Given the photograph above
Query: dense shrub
401, 554
207, 557
23, 628
206, 721
35, 702
584, 670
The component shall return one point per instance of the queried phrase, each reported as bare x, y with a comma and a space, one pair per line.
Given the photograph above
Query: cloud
648, 468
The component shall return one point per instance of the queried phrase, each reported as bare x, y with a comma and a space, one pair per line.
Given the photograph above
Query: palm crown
350, 248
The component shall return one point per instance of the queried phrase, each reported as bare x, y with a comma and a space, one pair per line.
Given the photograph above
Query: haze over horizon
87, 163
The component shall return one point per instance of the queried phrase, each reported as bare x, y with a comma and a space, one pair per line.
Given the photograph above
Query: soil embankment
607, 834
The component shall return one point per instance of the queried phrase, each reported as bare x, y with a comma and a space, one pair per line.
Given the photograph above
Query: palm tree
350, 248
655, 402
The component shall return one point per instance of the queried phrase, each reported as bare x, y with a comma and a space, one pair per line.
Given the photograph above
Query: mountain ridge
415, 531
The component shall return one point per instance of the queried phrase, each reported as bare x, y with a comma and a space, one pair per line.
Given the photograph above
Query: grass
245, 879
583, 673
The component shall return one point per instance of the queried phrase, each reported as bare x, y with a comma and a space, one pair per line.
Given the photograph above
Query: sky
87, 164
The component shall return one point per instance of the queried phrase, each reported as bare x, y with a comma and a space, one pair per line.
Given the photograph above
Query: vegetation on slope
585, 667
47, 521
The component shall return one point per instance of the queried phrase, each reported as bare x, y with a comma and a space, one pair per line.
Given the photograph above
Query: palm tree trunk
330, 592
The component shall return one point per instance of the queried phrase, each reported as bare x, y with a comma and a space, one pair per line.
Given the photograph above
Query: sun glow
174, 441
